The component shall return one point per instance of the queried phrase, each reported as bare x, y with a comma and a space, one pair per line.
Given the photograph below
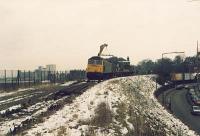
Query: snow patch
14, 92
10, 109
68, 83
120, 96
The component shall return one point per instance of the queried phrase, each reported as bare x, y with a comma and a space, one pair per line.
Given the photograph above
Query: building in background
41, 68
51, 68
44, 73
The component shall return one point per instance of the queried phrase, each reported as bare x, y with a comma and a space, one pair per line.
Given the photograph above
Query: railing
12, 79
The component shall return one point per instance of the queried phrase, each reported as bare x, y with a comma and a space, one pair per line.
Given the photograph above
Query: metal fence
12, 79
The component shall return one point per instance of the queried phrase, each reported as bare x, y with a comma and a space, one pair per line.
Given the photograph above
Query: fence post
57, 77
41, 76
49, 76
54, 77
65, 75
60, 74
24, 78
17, 78
29, 78
34, 77
44, 75
12, 79
5, 80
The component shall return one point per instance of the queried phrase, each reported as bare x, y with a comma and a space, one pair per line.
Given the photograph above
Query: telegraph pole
198, 66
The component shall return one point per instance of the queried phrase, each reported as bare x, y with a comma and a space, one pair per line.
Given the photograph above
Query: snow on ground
81, 109
68, 83
122, 106
2, 94
11, 109
14, 99
37, 109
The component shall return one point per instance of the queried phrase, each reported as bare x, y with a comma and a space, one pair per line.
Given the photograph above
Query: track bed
21, 110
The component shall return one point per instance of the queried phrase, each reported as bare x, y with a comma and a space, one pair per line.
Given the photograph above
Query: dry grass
38, 134
91, 102
90, 132
103, 116
61, 131
75, 116
114, 82
102, 119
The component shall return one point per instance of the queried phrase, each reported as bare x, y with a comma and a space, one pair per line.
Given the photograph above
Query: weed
103, 116
62, 131
91, 102
75, 116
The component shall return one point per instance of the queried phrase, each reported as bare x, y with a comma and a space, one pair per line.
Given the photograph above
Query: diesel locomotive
104, 67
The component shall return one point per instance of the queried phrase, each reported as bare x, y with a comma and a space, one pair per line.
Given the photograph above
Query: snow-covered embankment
122, 106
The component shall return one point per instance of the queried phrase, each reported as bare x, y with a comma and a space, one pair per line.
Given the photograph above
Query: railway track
75, 89
44, 104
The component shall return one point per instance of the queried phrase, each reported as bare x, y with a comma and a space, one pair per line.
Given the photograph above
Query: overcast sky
68, 32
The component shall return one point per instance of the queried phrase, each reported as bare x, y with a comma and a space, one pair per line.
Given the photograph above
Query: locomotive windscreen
95, 61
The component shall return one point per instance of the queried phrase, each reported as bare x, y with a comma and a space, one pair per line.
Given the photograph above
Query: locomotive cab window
95, 62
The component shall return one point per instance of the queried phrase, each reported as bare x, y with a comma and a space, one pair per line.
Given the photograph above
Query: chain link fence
12, 79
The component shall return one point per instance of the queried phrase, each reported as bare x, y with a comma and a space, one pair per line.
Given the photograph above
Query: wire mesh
10, 79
